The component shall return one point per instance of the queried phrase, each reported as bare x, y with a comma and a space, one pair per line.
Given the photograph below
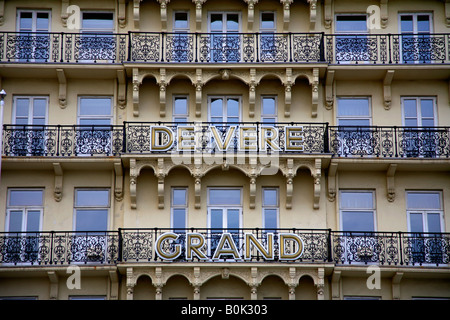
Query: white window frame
185, 206
364, 32
11, 207
180, 30
264, 115
30, 108
415, 32
419, 108
34, 13
425, 211
180, 115
225, 106
224, 14
275, 207
268, 30
96, 207
373, 209
99, 116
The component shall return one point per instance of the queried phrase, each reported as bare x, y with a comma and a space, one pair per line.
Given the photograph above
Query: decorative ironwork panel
273, 47
95, 47
306, 48
179, 47
145, 47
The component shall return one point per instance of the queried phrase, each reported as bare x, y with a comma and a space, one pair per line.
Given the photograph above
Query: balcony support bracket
136, 13
58, 191
137, 81
315, 92
198, 14
312, 14
387, 88
118, 188
163, 5
332, 170
62, 88
390, 182
54, 284
121, 89
329, 90
251, 13
396, 285
122, 16
286, 13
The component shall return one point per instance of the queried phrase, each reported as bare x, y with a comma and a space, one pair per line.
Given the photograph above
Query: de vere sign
168, 247
248, 138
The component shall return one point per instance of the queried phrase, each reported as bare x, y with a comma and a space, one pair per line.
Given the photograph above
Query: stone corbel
293, 282
198, 14
317, 176
252, 93
160, 174
54, 284
286, 13
332, 170
198, 92
290, 174
114, 290
321, 284
329, 90
163, 5
62, 88
134, 172
387, 88
136, 13
396, 285
136, 84
384, 17
447, 13
328, 14
251, 13
288, 93
336, 285
162, 92
64, 13
390, 182
121, 89
315, 92
121, 16
118, 187
312, 14
198, 173
253, 174
131, 282
58, 191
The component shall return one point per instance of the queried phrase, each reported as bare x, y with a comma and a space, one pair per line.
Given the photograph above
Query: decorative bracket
396, 285
163, 5
57, 192
64, 13
312, 14
198, 92
290, 174
54, 284
252, 93
329, 90
114, 291
121, 16
335, 285
162, 92
390, 182
286, 13
253, 174
332, 170
198, 14
251, 13
317, 176
118, 188
328, 15
160, 174
136, 84
62, 88
315, 92
136, 13
384, 17
288, 93
387, 88
121, 89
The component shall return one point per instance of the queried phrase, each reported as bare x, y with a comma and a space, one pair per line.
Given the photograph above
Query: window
181, 21
420, 138
95, 111
271, 45
269, 109
357, 209
97, 41
224, 109
91, 209
416, 42
225, 43
354, 46
268, 22
180, 42
25, 209
353, 111
30, 45
425, 223
179, 208
224, 214
270, 208
180, 109
31, 113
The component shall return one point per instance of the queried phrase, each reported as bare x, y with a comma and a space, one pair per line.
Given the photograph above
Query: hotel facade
258, 149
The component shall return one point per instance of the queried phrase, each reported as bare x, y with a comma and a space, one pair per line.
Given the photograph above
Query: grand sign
247, 138
169, 246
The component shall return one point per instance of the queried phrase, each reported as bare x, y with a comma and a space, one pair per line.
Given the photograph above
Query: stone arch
144, 288
177, 286
306, 288
219, 287
273, 286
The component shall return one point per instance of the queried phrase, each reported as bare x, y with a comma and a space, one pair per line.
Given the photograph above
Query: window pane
434, 222
179, 218
406, 23
415, 220
33, 220
233, 22
427, 108
354, 122
179, 197
90, 198
267, 20
233, 218
427, 122
224, 196
39, 107
353, 107
270, 219
233, 107
216, 218
42, 21
357, 200
417, 200
216, 22
26, 21
423, 23
180, 119
95, 122
25, 198
181, 20
270, 197
411, 122
95, 106
269, 105
22, 106
216, 107
357, 221
180, 105
91, 220
351, 23
98, 20
410, 108
15, 221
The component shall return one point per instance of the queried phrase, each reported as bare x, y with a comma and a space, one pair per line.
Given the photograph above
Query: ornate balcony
163, 47
235, 245
145, 138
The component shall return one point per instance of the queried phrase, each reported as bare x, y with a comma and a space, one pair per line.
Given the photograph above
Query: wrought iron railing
140, 245
214, 138
164, 47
